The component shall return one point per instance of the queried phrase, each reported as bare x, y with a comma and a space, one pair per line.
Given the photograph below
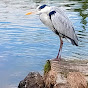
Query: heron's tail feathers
75, 40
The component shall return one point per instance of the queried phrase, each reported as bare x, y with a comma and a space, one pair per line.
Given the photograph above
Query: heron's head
40, 10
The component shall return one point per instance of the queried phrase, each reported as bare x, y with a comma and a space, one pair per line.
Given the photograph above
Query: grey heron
58, 22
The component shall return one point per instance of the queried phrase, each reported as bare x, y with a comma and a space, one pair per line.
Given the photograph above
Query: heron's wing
60, 11
63, 25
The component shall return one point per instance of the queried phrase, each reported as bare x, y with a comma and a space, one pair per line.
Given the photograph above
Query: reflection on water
83, 12
25, 43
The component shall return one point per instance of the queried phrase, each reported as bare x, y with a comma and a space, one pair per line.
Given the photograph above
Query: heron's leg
60, 49
58, 58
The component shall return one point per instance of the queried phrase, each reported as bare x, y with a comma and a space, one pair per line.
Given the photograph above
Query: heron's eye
41, 7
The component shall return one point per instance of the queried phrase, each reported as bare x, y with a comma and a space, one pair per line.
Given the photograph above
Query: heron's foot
57, 59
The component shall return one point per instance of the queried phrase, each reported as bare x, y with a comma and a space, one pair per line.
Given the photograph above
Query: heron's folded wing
62, 24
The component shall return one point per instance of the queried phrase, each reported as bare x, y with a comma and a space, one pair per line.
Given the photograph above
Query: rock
76, 80
50, 79
32, 80
66, 74
59, 74
62, 85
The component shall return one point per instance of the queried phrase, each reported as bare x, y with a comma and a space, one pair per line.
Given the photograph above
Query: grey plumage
59, 23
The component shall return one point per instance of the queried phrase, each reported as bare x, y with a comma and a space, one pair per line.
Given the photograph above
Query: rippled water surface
25, 43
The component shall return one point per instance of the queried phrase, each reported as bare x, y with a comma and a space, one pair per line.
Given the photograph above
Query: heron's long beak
34, 12
29, 13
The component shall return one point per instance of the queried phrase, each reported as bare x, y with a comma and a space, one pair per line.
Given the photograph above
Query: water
25, 43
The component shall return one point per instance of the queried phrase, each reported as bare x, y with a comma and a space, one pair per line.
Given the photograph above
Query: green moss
47, 67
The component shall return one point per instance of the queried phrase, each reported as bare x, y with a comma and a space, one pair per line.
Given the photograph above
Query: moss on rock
47, 67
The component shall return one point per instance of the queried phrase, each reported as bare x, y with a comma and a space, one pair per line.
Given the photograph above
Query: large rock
59, 74
33, 80
67, 74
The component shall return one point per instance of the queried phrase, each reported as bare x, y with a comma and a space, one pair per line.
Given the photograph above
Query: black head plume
43, 6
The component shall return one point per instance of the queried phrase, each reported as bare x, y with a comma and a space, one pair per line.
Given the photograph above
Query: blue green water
25, 43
